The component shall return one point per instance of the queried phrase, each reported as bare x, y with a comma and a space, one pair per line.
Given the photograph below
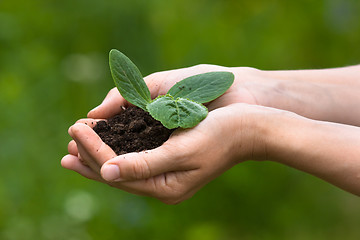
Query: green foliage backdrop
54, 68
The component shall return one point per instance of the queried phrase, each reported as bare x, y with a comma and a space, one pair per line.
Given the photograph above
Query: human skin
251, 121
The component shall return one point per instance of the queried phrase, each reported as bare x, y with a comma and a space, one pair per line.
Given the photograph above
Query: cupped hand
187, 161
242, 90
174, 171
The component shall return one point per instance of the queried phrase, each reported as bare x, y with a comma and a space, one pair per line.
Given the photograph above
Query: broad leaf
204, 87
128, 79
180, 112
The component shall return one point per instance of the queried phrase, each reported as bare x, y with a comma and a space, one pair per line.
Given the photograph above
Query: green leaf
163, 109
190, 112
180, 112
128, 79
204, 87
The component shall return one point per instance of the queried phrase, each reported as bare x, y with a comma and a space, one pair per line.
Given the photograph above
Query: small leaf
163, 109
190, 112
128, 79
180, 112
204, 87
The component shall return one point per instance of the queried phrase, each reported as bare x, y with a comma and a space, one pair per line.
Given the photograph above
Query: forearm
328, 94
319, 101
349, 76
327, 150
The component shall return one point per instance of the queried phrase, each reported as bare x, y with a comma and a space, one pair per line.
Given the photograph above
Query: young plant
182, 105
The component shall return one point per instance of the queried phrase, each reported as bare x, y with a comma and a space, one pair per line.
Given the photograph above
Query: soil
133, 130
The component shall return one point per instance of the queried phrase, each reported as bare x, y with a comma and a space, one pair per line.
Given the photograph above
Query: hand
159, 83
294, 91
191, 158
176, 170
88, 153
231, 133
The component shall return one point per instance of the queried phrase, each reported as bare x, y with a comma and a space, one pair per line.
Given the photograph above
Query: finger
114, 102
143, 165
171, 187
90, 146
89, 121
82, 161
111, 105
73, 163
155, 83
72, 148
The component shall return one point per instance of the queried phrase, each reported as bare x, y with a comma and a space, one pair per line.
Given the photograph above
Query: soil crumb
133, 130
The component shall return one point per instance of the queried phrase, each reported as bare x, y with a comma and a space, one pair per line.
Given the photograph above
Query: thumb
142, 165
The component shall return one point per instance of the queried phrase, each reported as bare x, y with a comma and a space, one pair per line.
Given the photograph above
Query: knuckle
141, 169
151, 77
112, 92
178, 150
155, 78
170, 193
155, 82
171, 147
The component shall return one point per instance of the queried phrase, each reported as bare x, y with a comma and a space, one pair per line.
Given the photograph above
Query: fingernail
111, 173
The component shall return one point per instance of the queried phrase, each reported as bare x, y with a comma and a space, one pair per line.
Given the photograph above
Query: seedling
182, 105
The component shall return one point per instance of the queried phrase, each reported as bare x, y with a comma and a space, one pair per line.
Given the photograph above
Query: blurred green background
54, 68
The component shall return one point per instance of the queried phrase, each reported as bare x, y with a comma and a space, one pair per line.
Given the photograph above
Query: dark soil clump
133, 130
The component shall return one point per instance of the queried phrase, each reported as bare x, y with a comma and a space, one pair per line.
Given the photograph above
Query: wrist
285, 136
268, 132
257, 131
236, 131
